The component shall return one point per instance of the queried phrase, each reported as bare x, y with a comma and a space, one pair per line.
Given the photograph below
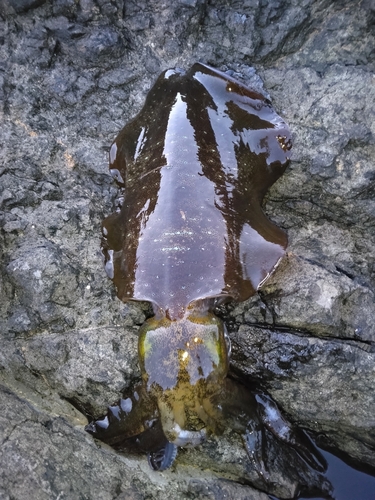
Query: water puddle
348, 483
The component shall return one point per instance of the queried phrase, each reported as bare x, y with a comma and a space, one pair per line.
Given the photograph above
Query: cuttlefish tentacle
273, 420
250, 413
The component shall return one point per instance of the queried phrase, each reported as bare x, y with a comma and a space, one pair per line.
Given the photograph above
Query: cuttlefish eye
183, 363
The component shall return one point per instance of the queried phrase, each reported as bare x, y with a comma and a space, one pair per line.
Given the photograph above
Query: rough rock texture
72, 73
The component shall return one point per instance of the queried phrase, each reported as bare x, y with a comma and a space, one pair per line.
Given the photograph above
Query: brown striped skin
194, 164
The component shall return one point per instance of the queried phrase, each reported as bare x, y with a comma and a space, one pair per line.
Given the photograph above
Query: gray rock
72, 74
12, 6
44, 455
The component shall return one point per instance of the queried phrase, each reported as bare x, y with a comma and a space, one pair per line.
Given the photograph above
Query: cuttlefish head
184, 363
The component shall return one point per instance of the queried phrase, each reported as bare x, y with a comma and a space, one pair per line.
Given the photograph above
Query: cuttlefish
194, 165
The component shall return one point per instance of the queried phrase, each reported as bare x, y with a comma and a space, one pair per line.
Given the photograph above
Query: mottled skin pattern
195, 164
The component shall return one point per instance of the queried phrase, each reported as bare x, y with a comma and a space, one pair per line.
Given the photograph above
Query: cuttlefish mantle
195, 164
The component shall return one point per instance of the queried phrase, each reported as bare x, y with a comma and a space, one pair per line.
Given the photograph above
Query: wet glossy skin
195, 164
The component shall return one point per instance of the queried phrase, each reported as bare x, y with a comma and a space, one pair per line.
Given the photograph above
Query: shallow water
348, 483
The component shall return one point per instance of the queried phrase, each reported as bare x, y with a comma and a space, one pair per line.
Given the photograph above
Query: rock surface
72, 74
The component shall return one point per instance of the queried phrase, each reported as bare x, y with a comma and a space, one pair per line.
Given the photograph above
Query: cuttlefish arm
136, 417
233, 406
127, 418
